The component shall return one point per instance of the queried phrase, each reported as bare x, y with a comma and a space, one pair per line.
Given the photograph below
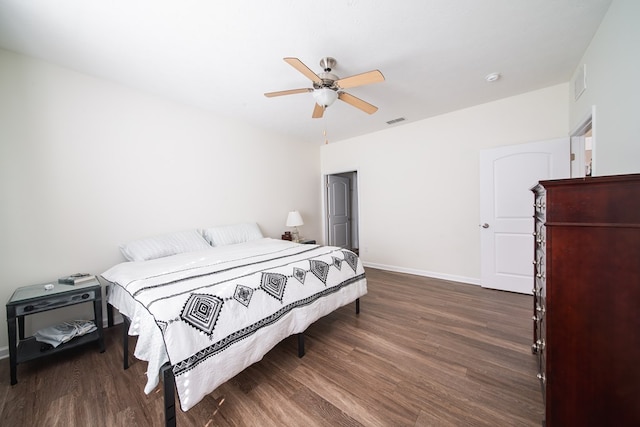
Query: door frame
578, 145
355, 213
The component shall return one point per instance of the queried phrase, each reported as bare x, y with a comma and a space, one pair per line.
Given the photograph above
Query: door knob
485, 225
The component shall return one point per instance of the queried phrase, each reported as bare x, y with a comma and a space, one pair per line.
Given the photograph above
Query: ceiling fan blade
318, 111
287, 92
357, 102
298, 65
374, 76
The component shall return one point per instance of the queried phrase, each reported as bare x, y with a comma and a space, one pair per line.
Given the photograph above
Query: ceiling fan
327, 87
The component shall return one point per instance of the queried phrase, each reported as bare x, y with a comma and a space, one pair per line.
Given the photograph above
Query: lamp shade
325, 96
294, 219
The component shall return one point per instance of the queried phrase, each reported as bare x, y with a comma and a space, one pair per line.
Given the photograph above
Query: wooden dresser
586, 328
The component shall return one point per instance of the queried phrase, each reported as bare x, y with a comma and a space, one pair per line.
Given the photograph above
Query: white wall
86, 165
418, 183
613, 86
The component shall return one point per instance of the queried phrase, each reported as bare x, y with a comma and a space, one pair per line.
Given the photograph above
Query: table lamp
294, 220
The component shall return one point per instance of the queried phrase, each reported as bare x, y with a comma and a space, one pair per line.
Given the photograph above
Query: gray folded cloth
59, 334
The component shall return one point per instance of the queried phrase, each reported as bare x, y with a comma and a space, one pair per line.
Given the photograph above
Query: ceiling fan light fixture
325, 96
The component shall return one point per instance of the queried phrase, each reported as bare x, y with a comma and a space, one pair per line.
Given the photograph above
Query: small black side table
36, 299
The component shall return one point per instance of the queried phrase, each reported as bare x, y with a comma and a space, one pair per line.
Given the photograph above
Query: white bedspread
212, 313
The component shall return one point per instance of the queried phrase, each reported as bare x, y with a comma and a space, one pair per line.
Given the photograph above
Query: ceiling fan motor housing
328, 80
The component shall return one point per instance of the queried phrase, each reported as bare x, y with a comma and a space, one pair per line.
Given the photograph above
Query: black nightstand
36, 299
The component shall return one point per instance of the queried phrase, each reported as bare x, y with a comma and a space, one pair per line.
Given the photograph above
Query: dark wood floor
422, 352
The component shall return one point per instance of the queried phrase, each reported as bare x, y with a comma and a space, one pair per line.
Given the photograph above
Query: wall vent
580, 83
394, 121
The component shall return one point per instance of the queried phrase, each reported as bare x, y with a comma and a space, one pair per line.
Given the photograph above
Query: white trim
588, 120
578, 151
449, 277
594, 145
325, 226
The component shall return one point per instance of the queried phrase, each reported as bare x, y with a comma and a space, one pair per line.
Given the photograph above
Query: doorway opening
342, 212
583, 148
588, 152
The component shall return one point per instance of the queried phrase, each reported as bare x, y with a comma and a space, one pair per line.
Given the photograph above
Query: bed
204, 314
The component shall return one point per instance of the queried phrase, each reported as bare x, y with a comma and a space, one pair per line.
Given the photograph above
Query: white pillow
232, 234
165, 245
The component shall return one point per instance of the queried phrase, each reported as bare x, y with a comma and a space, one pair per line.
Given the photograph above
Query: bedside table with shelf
36, 299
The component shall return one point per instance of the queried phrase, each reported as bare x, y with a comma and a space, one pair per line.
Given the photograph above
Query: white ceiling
223, 55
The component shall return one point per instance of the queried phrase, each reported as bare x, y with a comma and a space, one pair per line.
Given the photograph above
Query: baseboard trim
432, 274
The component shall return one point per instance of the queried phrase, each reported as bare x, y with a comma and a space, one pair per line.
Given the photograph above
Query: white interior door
506, 208
338, 197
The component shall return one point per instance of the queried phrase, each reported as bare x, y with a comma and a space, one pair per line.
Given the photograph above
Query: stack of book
76, 279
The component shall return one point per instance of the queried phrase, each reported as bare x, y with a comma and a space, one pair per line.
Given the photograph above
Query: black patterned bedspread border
189, 363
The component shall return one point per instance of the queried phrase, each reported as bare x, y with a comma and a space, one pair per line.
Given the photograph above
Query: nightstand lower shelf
29, 348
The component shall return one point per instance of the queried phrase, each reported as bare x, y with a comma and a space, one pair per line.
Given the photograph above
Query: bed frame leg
169, 395
357, 305
109, 315
126, 322
300, 344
